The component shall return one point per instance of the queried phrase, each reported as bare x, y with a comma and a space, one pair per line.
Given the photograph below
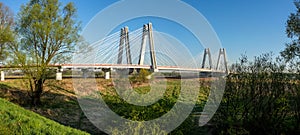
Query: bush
141, 77
258, 99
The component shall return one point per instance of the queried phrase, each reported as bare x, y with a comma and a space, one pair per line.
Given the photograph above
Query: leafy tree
48, 34
292, 50
6, 33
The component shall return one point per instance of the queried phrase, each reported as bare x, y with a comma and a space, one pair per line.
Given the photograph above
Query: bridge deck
124, 66
136, 66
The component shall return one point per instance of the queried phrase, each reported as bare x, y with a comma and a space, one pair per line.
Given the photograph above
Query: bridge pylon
222, 52
148, 32
207, 53
124, 38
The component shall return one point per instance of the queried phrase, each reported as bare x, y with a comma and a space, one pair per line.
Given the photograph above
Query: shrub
256, 99
141, 76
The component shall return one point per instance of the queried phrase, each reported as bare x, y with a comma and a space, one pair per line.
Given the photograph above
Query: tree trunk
36, 98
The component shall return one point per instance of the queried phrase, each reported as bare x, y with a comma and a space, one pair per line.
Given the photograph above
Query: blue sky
252, 27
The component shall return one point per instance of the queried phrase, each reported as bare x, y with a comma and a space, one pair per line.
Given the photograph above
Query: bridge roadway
136, 66
125, 66
203, 72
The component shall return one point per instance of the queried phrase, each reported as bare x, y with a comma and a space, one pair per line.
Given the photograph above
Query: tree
47, 34
292, 50
6, 33
141, 76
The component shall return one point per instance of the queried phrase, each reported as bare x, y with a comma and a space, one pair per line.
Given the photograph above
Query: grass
17, 120
60, 102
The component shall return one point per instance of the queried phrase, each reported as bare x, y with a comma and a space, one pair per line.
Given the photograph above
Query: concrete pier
2, 76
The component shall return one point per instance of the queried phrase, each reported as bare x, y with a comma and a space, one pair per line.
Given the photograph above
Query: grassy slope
17, 120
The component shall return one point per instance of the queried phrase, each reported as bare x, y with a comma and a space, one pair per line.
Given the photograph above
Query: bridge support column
106, 73
2, 76
59, 74
84, 72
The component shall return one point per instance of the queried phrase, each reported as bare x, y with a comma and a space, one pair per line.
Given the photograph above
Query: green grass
60, 105
17, 120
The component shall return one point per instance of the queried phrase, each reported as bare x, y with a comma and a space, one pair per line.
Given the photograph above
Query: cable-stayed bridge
146, 49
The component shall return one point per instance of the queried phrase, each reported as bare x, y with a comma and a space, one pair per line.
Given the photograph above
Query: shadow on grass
61, 106
14, 95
